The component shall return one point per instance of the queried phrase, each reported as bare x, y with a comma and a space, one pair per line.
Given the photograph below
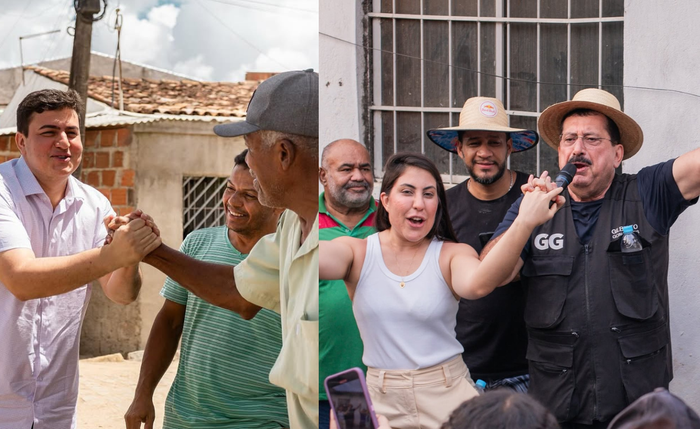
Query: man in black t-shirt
490, 329
597, 316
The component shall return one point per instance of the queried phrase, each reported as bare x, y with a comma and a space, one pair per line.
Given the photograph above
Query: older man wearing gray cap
281, 271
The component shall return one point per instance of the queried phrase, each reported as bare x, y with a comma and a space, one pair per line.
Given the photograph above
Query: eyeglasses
569, 140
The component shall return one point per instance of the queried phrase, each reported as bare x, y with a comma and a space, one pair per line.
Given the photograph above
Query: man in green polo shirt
346, 208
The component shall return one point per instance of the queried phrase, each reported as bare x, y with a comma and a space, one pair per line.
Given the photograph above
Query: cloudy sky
215, 40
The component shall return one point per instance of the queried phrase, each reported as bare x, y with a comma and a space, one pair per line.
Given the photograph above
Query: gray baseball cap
286, 102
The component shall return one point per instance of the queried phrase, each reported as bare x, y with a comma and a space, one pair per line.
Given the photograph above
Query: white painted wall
162, 154
340, 70
661, 52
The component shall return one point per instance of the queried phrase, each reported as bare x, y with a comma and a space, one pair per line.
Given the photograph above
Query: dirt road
106, 391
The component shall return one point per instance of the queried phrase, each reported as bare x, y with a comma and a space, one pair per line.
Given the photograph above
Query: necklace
402, 283
510, 174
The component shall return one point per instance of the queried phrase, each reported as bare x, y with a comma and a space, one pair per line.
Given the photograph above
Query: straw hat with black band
483, 114
550, 121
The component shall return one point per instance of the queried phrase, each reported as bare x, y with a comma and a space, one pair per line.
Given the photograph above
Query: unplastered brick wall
8, 148
107, 167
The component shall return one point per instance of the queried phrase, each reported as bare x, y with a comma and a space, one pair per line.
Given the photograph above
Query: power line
241, 37
266, 4
58, 36
513, 79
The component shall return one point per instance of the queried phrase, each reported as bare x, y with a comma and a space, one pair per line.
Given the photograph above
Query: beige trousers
422, 398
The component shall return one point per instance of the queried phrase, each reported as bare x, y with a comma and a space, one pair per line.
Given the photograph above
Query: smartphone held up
350, 401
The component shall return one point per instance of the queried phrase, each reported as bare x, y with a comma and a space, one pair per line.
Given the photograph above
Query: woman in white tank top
405, 282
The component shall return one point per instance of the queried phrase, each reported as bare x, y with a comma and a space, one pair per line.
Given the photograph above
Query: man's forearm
123, 285
28, 277
213, 283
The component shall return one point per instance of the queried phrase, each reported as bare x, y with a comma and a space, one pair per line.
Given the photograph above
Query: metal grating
201, 203
429, 56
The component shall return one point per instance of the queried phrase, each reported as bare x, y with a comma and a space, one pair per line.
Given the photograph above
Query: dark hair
43, 100
501, 409
610, 127
393, 169
240, 160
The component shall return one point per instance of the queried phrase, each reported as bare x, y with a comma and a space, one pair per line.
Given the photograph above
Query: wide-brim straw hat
483, 114
550, 121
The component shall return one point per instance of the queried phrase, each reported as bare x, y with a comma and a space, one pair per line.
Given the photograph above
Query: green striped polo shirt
222, 379
340, 346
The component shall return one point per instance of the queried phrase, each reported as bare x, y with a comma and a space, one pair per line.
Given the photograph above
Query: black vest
597, 319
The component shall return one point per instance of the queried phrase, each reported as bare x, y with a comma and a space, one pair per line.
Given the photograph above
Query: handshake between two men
132, 237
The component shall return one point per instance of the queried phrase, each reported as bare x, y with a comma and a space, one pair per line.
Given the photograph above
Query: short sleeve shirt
661, 199
222, 379
41, 337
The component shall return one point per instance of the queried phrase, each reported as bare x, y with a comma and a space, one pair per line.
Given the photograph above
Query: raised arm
28, 277
686, 172
213, 283
496, 268
335, 258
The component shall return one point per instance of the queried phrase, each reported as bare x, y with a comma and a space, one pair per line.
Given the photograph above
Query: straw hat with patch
483, 114
550, 121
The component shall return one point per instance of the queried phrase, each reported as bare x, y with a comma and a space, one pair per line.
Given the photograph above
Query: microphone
566, 175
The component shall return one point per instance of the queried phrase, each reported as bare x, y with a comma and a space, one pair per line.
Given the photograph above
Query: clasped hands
541, 199
131, 237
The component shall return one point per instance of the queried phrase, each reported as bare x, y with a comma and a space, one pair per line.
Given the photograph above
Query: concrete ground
107, 388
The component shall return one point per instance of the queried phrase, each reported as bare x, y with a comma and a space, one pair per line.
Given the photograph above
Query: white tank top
405, 328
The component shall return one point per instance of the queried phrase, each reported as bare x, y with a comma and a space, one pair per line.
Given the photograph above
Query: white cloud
200, 38
195, 67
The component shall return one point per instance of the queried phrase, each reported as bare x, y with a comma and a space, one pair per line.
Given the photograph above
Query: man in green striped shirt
346, 208
222, 378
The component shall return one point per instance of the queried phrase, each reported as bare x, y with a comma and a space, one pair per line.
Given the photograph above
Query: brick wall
107, 167
8, 148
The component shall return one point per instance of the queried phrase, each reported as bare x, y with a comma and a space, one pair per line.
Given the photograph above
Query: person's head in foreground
591, 132
659, 409
412, 200
281, 133
501, 409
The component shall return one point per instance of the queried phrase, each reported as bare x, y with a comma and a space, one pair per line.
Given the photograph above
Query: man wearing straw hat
597, 318
490, 329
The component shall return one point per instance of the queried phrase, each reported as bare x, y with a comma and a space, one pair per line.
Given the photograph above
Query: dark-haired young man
222, 376
51, 235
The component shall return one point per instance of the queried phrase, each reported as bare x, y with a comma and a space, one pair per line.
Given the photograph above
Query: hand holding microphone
565, 176
563, 179
545, 183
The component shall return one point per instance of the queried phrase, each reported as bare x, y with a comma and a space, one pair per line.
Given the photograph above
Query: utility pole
80, 61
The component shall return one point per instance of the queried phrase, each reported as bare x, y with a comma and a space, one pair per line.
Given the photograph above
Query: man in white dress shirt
51, 248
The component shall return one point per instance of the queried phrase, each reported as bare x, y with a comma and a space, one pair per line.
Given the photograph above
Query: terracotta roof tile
186, 97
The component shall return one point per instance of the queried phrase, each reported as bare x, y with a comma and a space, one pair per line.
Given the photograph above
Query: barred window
429, 56
201, 203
